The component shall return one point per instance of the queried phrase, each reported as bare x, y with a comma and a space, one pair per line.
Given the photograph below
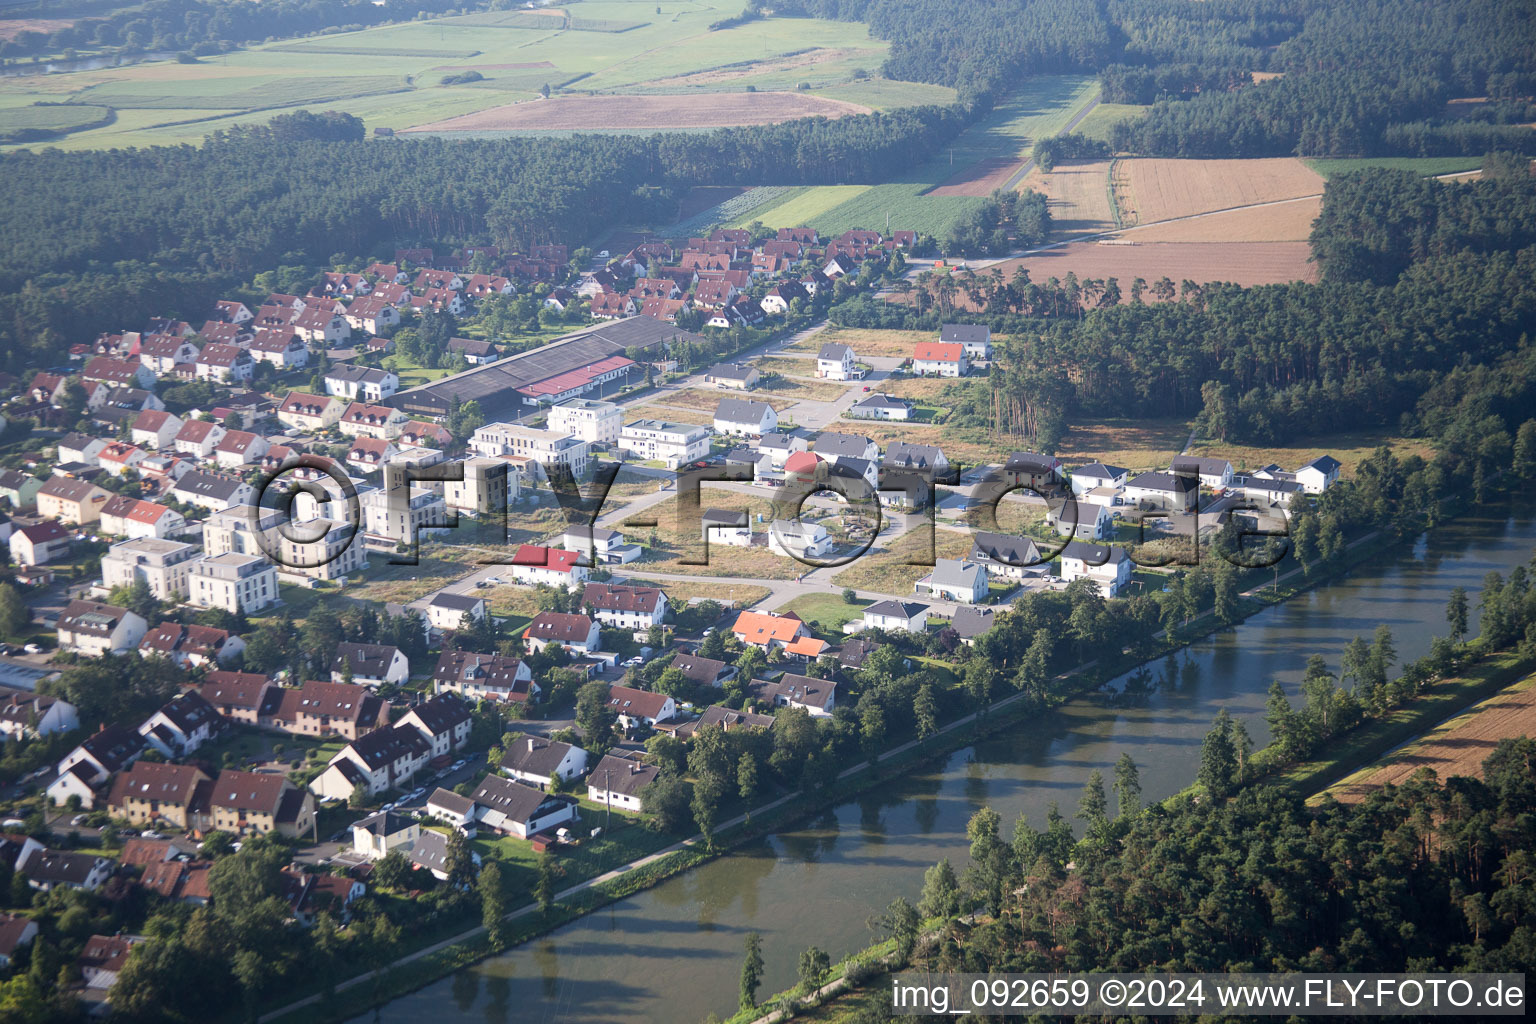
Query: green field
390, 76
1101, 121
55, 119
1425, 165
1010, 131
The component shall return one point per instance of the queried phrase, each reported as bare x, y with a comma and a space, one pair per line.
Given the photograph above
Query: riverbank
860, 785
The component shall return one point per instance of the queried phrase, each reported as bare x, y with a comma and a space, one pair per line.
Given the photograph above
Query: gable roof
256, 791
147, 780
938, 352
559, 627
535, 755
897, 609
627, 700
698, 669
620, 598
761, 627
835, 444
513, 799
742, 410
622, 775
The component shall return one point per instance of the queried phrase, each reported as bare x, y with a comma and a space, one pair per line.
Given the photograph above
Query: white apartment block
549, 448
676, 444
389, 514
593, 421
235, 583
321, 549
163, 564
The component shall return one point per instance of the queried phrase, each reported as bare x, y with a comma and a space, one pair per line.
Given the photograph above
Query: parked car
77, 820
150, 833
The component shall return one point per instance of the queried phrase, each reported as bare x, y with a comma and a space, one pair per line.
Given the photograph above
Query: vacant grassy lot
866, 342
1130, 444
1427, 165
741, 595
708, 399
663, 409
1101, 120
1349, 448
800, 390
888, 569
826, 613
671, 539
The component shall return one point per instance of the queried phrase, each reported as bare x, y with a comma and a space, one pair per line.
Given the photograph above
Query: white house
836, 362
779, 447
198, 438
722, 526
370, 664
24, 713
817, 697
1319, 474
836, 447
378, 834
1109, 567
1168, 491
954, 580
675, 444
39, 544
519, 810
488, 676
571, 631
449, 612
599, 546
360, 383
94, 628
1096, 475
625, 607
182, 725
1082, 520
444, 722
619, 782
975, 340
791, 538
742, 417
155, 428
378, 761
881, 407
1213, 473
902, 616
937, 359
164, 565
533, 564
539, 761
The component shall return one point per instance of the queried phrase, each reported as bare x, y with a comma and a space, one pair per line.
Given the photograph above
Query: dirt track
715, 110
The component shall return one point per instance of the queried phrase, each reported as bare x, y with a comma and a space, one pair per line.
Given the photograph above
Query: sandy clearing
1289, 221
1161, 189
1457, 747
718, 110
1077, 193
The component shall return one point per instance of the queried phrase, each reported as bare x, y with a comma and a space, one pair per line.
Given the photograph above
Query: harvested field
661, 409
1161, 189
751, 69
1130, 444
1457, 747
1077, 192
980, 179
1243, 263
10, 28
660, 112
1286, 221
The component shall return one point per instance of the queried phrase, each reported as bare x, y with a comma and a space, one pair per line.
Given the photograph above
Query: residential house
16, 932
837, 448
249, 698
324, 708
360, 383
210, 491
779, 447
24, 713
371, 454
239, 448
458, 811
224, 364
71, 501
767, 631
19, 488
443, 721
971, 621
155, 429
55, 869
620, 782
39, 544
381, 833
379, 421
119, 457
623, 606
484, 676
511, 808
538, 761
94, 761
897, 616
740, 376
836, 362
370, 315
640, 707
385, 758
1097, 474
134, 518
1272, 490
816, 696
954, 579
450, 612
1083, 520
717, 717
309, 412
792, 538
975, 340
573, 632
261, 803
181, 725
936, 359
281, 346
198, 438
239, 584
1109, 567
1006, 556
369, 664
191, 646
1213, 473
149, 793
675, 444
1169, 492
94, 628
599, 546
592, 421
925, 459
738, 416
430, 853
162, 352
1032, 470
727, 527
474, 351
123, 373
881, 407
1319, 474
702, 671
533, 564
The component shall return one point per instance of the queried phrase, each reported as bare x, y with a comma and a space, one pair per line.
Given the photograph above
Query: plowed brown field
1288, 221
713, 110
1456, 748
1077, 193
1161, 189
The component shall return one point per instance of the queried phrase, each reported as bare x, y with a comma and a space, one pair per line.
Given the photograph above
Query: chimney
532, 746
634, 769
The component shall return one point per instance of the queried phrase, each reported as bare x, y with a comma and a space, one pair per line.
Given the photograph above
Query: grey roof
898, 609
535, 755
838, 445
971, 620
1170, 482
731, 371
355, 374
386, 746
1099, 470
955, 572
914, 456
716, 716
882, 401
58, 867
1094, 554
430, 851
965, 333
703, 671
724, 517
1199, 464
622, 775
1323, 463
367, 660
458, 602
512, 798
209, 485
1004, 549
777, 441
384, 823
451, 801
854, 651
848, 466
1278, 484
741, 410
494, 385
1031, 461
832, 350
796, 688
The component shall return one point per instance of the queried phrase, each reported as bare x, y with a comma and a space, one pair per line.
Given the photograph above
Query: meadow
391, 76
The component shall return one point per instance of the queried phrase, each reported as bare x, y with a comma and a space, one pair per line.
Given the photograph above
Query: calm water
671, 955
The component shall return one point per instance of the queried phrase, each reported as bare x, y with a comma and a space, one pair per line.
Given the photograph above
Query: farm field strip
1157, 189
1077, 193
1244, 263
1457, 747
658, 112
1286, 220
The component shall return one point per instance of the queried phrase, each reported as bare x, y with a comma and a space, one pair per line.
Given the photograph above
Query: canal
672, 954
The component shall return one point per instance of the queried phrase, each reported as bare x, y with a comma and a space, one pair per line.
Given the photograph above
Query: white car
457, 765
77, 820
150, 833
33, 649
